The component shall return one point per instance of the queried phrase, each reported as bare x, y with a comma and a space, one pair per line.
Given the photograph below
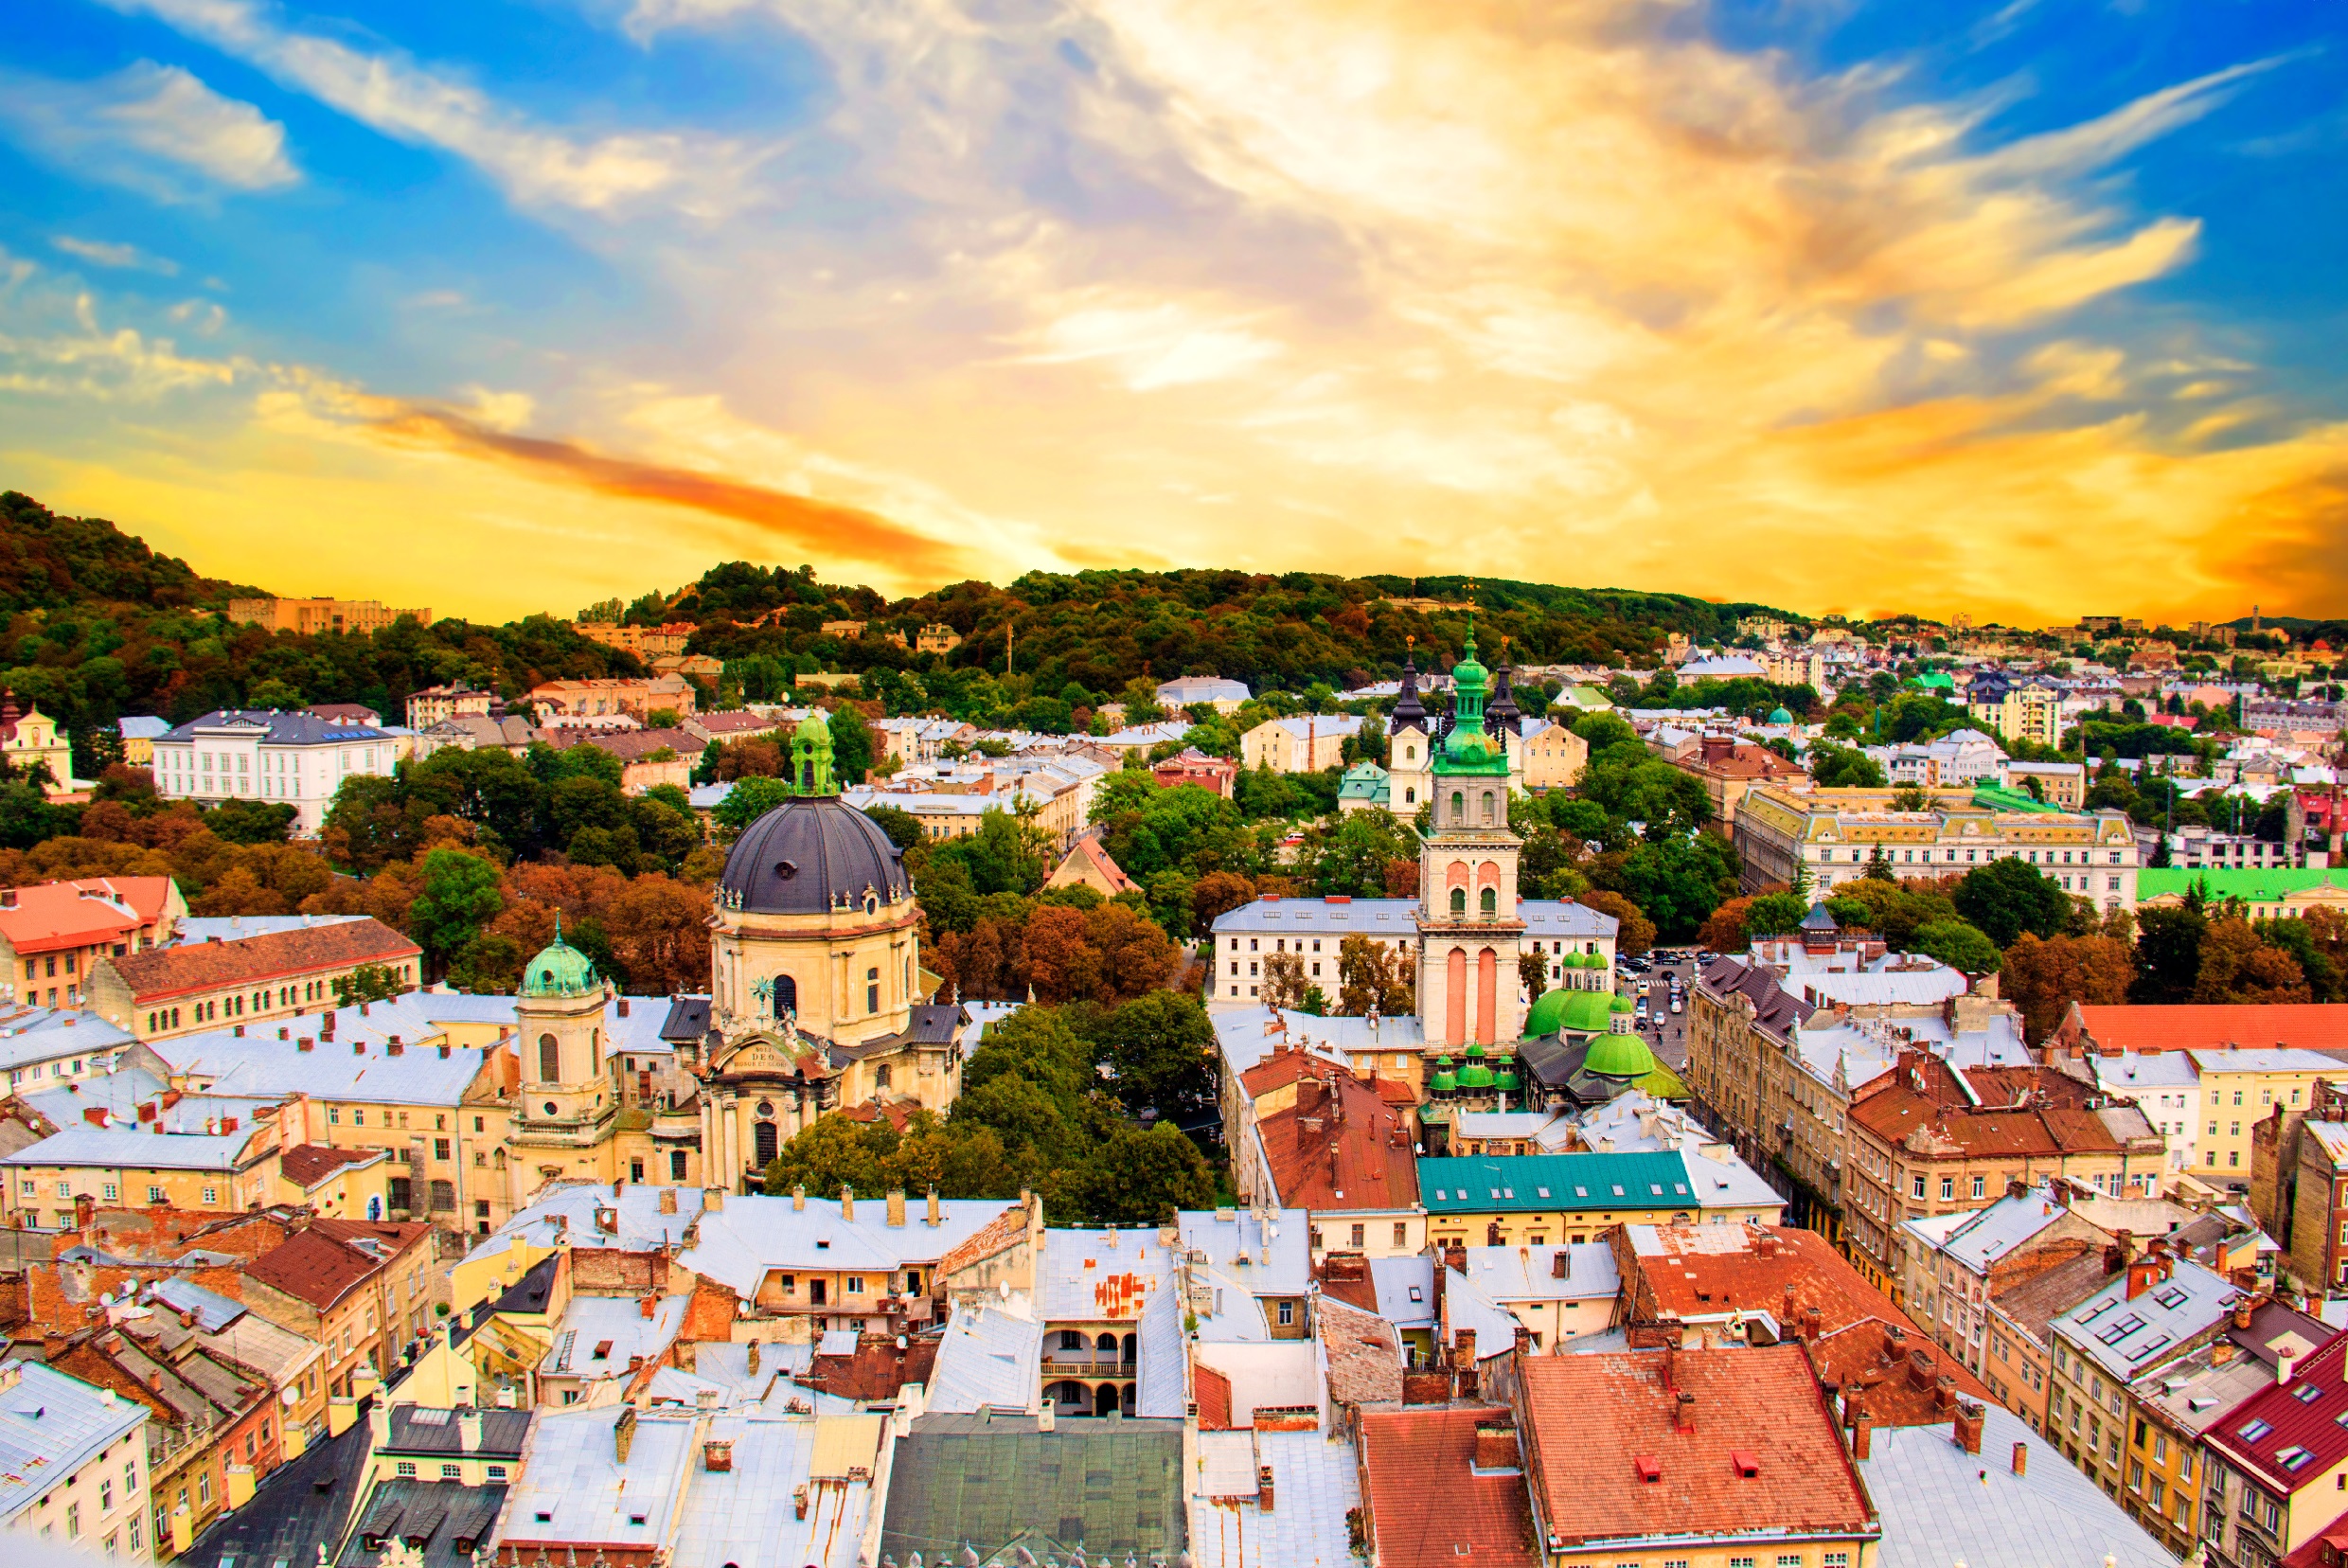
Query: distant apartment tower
319, 615
434, 705
646, 642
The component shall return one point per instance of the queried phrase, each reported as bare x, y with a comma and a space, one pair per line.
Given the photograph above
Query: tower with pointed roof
1470, 928
1408, 739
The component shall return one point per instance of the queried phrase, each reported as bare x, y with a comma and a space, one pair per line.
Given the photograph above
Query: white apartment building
76, 1474
296, 759
1310, 742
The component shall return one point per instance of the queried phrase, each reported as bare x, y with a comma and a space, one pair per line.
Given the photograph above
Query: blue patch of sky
2266, 171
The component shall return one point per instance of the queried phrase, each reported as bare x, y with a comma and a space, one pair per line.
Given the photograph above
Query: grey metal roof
274, 728
2129, 1337
748, 1515
445, 1519
1110, 1486
1941, 1505
50, 1424
1397, 918
1315, 1484
299, 1504
988, 1359
430, 1431
129, 1148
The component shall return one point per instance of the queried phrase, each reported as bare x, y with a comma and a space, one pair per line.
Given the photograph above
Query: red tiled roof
1789, 1273
1426, 1501
2291, 1424
164, 973
1214, 1392
635, 746
877, 1369
1922, 1095
1097, 855
1593, 1416
2300, 1025
321, 1266
735, 723
1363, 1354
49, 916
307, 1165
1340, 1147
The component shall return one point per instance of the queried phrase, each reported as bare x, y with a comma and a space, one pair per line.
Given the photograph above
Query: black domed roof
809, 856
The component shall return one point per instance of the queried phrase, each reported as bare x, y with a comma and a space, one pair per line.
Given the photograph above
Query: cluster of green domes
1475, 1075
1573, 1011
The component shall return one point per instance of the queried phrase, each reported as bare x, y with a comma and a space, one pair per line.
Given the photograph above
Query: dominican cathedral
817, 1003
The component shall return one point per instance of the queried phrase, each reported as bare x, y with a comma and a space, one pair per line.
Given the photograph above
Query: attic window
1618, 1192
1680, 1187
1581, 1193
2174, 1296
2253, 1430
1650, 1468
603, 1350
544, 1517
1543, 1191
823, 1246
1745, 1462
2294, 1457
2305, 1393
1415, 1296
1439, 1194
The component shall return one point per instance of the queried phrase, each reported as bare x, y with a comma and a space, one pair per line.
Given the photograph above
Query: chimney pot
798, 1198
1263, 1488
897, 1208
1970, 1419
2022, 1458
936, 1217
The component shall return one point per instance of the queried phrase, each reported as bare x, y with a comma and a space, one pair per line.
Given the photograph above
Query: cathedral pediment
766, 1054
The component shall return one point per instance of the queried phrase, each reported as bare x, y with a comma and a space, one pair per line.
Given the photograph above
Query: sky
2024, 309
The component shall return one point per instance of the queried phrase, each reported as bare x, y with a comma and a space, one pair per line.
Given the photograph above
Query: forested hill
1100, 630
99, 626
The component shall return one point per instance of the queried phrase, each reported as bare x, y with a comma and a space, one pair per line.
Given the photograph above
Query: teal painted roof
1483, 1183
1779, 716
2252, 885
1996, 798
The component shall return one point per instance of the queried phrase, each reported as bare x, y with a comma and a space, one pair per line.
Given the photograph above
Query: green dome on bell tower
1470, 748
561, 970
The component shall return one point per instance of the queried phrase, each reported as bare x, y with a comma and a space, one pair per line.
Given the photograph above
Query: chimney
2286, 1359
392, 1046
897, 1208
469, 1430
649, 1306
936, 1216
669, 1200
624, 1434
1683, 1412
798, 1199
1047, 1415
1496, 1444
1971, 1419
1263, 1488
713, 1198
2022, 1458
1945, 1396
623, 1006
718, 1457
358, 1047
304, 1044
1560, 1264
239, 1031
848, 1202
798, 1495
1895, 1341
1463, 1347
1862, 1429
754, 1358
1812, 1324
363, 1009
2243, 1307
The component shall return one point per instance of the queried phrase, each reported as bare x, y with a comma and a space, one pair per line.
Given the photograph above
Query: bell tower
567, 1101
1469, 923
1409, 745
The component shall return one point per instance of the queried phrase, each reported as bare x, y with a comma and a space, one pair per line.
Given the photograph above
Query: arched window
1487, 808
785, 995
1459, 806
1459, 903
1410, 795
595, 1053
1488, 904
549, 1060
763, 1139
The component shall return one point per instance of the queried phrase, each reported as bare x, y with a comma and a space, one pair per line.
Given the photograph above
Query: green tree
1137, 1178
367, 983
2007, 898
2168, 951
1005, 855
747, 801
1958, 944
1844, 768
1159, 1049
460, 896
832, 1153
1774, 913
490, 965
251, 821
904, 829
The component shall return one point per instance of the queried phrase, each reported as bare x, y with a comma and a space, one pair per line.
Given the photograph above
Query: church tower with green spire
811, 756
1470, 926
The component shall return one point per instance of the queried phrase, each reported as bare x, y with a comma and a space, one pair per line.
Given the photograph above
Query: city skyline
2013, 310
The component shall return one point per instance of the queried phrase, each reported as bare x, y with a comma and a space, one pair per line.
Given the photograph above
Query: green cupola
1474, 1074
1470, 748
1619, 1056
1505, 1079
1445, 1082
561, 970
811, 755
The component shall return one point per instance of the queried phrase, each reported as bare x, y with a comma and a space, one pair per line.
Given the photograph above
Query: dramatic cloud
1578, 294
153, 128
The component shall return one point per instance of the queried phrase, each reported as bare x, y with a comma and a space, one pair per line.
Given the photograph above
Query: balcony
1088, 1364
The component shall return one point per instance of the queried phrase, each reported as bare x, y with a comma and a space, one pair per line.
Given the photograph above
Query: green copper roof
1996, 798
1470, 749
1622, 1056
1475, 1075
1505, 1079
560, 970
1623, 1005
1586, 1012
1779, 716
1444, 1079
1547, 1013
